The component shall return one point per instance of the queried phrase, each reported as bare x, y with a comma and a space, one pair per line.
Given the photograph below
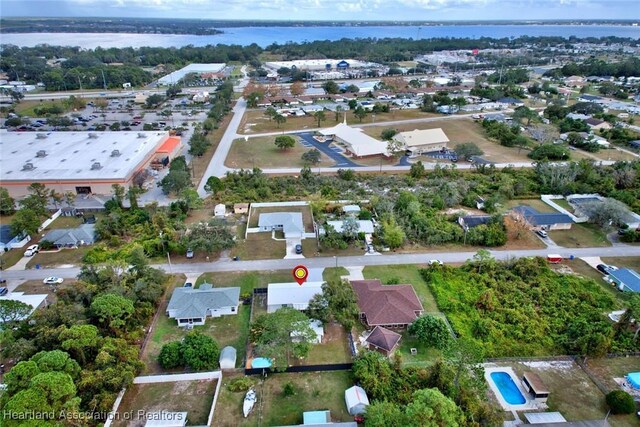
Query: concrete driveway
291, 249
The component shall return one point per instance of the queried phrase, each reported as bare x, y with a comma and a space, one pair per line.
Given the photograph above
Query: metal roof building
176, 76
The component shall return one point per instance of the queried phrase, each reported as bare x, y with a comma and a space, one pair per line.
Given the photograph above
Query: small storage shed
228, 358
534, 385
219, 210
241, 208
356, 400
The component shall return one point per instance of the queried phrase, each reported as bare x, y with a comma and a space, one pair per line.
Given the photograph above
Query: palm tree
320, 116
279, 119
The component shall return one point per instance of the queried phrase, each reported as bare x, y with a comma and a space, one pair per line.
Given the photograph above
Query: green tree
430, 408
56, 361
417, 170
270, 112
608, 213
311, 157
284, 142
431, 330
282, 334
467, 150
524, 114
320, 116
25, 221
330, 87
170, 356
191, 199
385, 414
208, 237
112, 311
154, 100
279, 119
81, 340
7, 203
342, 303
200, 352
620, 402
388, 134
360, 113
12, 311
392, 233
118, 194
214, 185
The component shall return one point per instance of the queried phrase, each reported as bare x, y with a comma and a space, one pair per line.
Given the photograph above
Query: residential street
322, 262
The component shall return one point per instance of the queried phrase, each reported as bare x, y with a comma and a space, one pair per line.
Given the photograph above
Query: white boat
249, 401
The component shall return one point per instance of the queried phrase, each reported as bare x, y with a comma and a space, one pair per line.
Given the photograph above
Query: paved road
341, 161
323, 262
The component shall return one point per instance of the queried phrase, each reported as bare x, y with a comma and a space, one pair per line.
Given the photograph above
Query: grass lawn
334, 348
563, 203
194, 397
459, 131
262, 152
307, 217
536, 204
258, 246
25, 108
405, 274
313, 391
58, 258
606, 369
247, 281
333, 273
572, 392
580, 236
10, 258
628, 262
425, 355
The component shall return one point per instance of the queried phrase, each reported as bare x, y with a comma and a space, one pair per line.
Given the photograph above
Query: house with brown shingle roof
383, 340
391, 306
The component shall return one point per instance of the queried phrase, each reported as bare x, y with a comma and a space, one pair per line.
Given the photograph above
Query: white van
32, 250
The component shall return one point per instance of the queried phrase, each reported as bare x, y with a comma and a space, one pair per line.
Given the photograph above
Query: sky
329, 10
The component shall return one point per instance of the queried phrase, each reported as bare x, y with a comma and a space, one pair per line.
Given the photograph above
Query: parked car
3, 291
3, 281
189, 253
542, 234
435, 262
188, 285
53, 280
298, 249
606, 269
32, 250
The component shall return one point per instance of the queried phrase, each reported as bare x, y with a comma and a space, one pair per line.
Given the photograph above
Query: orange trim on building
169, 145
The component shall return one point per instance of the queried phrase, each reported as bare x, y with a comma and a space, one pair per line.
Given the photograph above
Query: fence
53, 217
307, 368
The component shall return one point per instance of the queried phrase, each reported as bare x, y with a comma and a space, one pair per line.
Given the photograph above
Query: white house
192, 306
288, 222
281, 295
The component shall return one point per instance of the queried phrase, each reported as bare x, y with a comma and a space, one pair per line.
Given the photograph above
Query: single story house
219, 210
291, 294
288, 222
383, 340
35, 301
241, 208
391, 306
356, 400
510, 101
7, 238
578, 116
418, 142
543, 221
589, 98
534, 385
470, 221
191, 306
364, 226
353, 210
596, 124
626, 279
72, 237
357, 143
317, 328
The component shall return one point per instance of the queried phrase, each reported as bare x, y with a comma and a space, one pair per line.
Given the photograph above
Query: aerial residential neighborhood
251, 214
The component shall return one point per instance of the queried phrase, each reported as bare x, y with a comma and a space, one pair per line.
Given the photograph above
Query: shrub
45, 245
620, 402
288, 390
240, 384
171, 355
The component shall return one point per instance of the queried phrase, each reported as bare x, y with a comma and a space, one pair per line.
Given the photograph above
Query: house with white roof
356, 142
288, 222
422, 141
291, 294
364, 226
191, 306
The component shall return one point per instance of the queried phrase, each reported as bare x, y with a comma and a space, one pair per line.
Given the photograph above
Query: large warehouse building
319, 64
176, 76
81, 162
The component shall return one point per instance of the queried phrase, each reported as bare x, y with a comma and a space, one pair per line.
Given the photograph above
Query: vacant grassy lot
307, 217
459, 131
404, 274
262, 152
25, 108
58, 258
194, 397
258, 246
580, 236
607, 154
313, 391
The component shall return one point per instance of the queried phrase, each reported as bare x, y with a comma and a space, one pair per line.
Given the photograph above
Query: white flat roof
292, 293
33, 300
173, 78
71, 155
316, 64
365, 226
359, 142
544, 417
422, 137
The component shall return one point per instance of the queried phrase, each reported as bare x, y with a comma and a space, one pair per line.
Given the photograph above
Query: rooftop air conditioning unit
41, 153
141, 135
93, 135
41, 135
28, 167
115, 153
96, 166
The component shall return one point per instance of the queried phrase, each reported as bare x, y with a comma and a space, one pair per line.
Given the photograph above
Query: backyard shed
534, 385
219, 210
228, 358
356, 400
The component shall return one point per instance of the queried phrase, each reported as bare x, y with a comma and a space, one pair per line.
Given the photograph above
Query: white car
32, 250
53, 280
435, 262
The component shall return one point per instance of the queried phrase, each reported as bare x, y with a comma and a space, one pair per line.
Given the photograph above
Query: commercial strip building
318, 64
176, 76
80, 162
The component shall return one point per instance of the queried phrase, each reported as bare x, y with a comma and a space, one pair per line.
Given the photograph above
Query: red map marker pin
300, 274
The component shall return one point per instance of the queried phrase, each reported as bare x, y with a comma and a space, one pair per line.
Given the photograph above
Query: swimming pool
508, 389
261, 362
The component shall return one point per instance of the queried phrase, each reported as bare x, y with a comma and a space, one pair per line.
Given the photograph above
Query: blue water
508, 388
261, 362
264, 36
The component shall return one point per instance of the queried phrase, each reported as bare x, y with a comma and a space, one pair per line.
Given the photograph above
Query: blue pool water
261, 362
508, 389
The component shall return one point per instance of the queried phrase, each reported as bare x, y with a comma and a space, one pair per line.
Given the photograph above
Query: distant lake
263, 36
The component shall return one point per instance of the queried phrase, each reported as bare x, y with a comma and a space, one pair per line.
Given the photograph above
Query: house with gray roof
192, 306
72, 237
288, 222
541, 220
